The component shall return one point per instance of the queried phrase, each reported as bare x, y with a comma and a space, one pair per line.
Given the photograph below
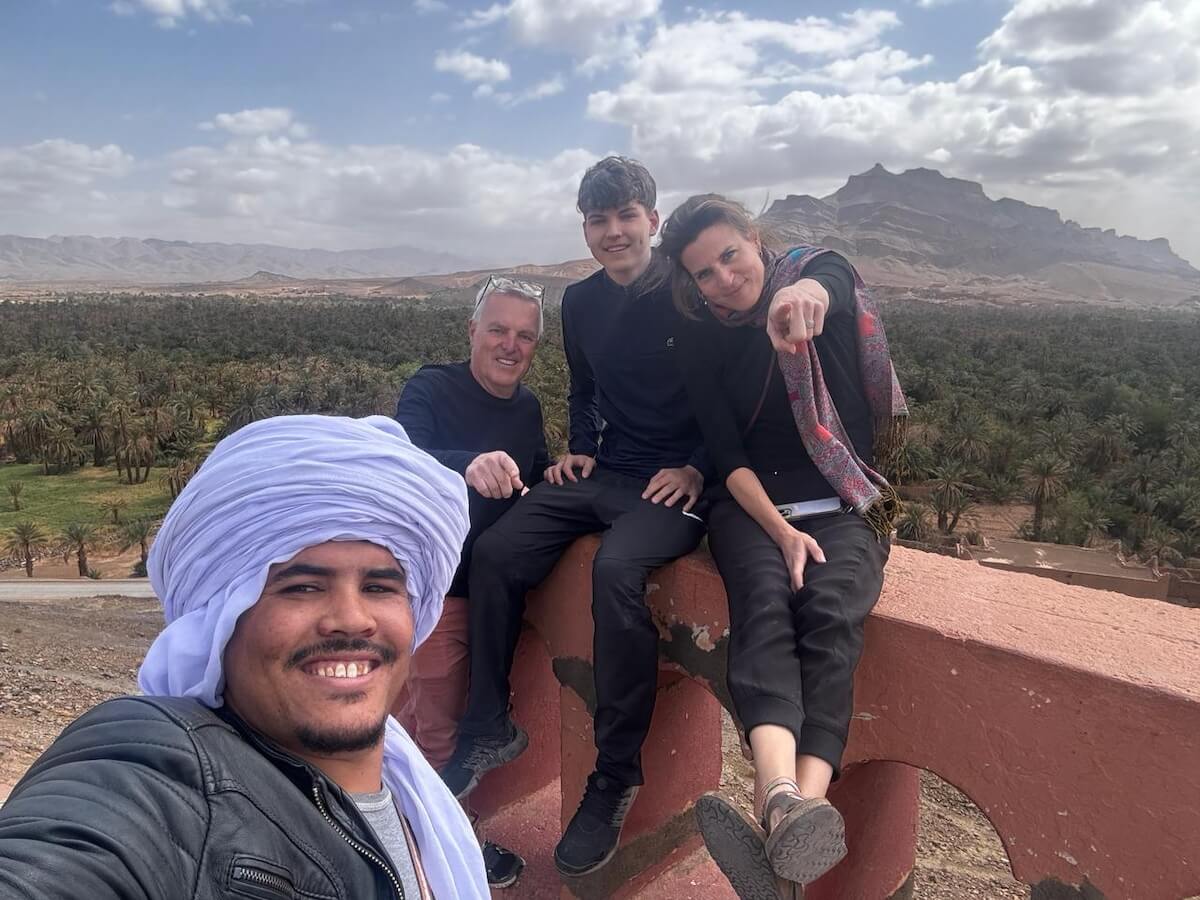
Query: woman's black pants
792, 654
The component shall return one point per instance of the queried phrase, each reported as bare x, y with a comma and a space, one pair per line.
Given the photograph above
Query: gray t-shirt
383, 817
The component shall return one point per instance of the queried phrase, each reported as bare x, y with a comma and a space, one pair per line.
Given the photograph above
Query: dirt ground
119, 565
999, 520
60, 658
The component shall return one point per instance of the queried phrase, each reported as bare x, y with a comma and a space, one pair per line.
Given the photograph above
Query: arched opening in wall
959, 853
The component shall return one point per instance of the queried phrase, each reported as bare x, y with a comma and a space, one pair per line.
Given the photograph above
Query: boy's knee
612, 573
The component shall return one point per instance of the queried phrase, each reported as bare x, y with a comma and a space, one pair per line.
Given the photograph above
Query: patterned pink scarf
817, 419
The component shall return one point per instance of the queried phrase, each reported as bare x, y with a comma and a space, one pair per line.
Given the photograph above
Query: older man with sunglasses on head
477, 418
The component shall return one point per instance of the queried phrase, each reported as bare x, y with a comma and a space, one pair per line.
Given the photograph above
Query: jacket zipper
258, 876
364, 851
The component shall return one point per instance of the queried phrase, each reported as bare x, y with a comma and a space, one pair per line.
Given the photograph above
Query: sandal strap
767, 799
776, 782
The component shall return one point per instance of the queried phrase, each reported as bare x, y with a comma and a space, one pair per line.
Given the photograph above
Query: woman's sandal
808, 840
736, 843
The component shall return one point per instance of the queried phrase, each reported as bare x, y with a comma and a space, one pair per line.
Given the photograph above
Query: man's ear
471, 323
653, 221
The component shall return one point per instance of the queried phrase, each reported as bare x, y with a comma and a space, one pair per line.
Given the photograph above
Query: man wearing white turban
298, 571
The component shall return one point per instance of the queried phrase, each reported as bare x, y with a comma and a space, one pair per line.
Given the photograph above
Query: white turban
271, 490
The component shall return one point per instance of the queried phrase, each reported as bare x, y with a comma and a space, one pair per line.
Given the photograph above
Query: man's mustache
387, 655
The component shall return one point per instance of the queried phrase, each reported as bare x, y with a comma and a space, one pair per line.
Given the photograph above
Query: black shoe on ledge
474, 757
502, 865
591, 839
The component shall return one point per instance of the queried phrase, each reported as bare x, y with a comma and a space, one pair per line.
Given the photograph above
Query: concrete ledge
1070, 716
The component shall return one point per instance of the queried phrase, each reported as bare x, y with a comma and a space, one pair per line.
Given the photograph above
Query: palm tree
138, 531
950, 487
1058, 437
1001, 487
94, 428
250, 405
1095, 525
1045, 478
60, 448
14, 491
1159, 545
25, 539
957, 508
79, 536
913, 524
967, 436
176, 477
113, 506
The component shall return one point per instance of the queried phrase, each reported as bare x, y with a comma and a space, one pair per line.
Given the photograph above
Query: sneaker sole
510, 752
573, 872
736, 845
807, 842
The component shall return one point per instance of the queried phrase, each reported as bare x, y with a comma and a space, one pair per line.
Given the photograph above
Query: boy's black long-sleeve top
628, 404
452, 418
726, 370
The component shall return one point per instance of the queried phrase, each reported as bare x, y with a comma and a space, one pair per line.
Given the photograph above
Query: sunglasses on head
501, 284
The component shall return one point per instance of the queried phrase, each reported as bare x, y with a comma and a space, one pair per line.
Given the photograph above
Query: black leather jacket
166, 799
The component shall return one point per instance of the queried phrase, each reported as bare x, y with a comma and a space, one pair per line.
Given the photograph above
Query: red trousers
435, 695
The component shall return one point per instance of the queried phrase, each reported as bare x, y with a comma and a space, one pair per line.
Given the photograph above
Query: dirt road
35, 589
63, 653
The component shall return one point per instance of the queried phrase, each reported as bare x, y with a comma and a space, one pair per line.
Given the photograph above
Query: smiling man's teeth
344, 670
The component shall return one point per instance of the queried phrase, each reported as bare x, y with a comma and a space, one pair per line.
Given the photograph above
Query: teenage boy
632, 473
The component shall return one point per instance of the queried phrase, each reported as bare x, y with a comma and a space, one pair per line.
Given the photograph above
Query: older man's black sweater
452, 418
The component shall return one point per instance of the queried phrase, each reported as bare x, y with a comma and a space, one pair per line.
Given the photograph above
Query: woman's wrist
781, 532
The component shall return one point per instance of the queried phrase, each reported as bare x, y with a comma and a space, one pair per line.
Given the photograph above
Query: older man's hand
495, 475
797, 314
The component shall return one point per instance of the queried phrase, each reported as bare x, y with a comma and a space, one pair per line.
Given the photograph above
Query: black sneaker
503, 866
474, 757
591, 839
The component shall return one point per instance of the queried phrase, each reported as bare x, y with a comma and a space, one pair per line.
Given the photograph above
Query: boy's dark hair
613, 182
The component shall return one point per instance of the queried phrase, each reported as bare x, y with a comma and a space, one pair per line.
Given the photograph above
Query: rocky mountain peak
924, 219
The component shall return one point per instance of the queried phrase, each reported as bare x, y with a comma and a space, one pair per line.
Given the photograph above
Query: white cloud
428, 7
264, 120
341, 27
598, 32
272, 188
482, 18
471, 67
1085, 105
62, 161
169, 13
550, 87
1068, 95
1107, 47
56, 182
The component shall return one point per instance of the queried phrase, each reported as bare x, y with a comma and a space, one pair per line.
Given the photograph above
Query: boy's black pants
516, 553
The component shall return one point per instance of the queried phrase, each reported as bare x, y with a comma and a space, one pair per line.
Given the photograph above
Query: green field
54, 501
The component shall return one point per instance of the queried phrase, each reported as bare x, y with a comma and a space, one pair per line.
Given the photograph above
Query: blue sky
465, 126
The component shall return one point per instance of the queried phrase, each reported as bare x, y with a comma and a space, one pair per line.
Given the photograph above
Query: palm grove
1089, 415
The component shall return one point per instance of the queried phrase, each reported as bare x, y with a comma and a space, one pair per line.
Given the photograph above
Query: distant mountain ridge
149, 260
929, 221
918, 233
